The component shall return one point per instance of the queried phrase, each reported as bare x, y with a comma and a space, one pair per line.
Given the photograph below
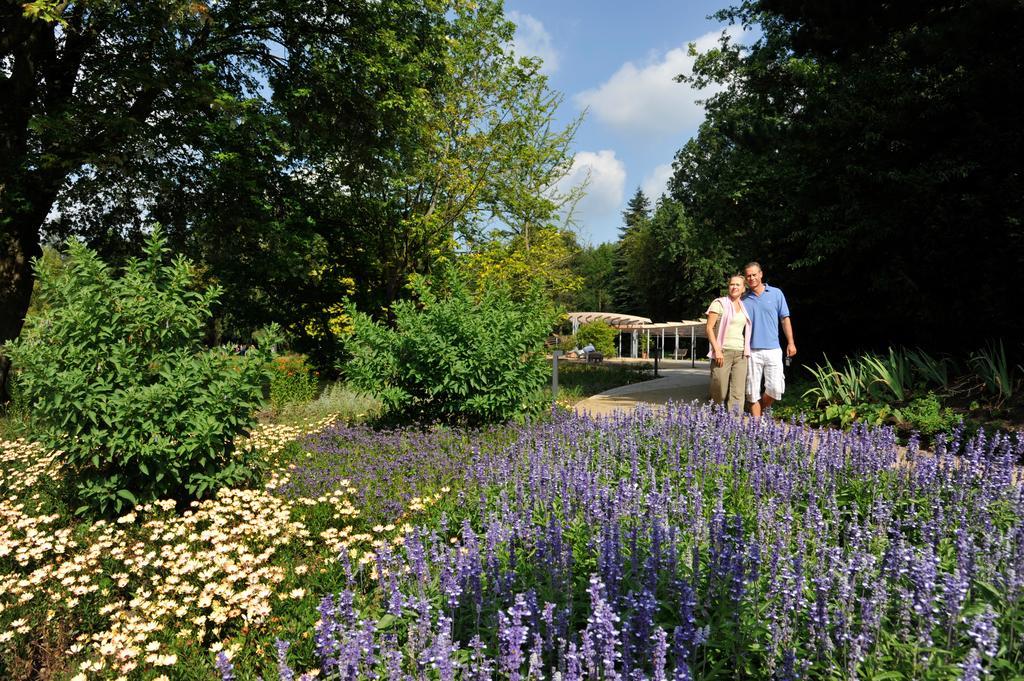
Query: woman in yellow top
728, 330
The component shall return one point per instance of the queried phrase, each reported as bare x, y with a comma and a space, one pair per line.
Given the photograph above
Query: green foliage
992, 367
289, 151
834, 386
577, 381
897, 389
630, 252
337, 400
927, 416
518, 263
117, 378
596, 266
292, 381
566, 343
932, 371
661, 266
15, 415
891, 374
600, 335
452, 356
817, 155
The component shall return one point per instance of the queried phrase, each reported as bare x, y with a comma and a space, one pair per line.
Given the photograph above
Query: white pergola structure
622, 322
642, 325
610, 318
693, 328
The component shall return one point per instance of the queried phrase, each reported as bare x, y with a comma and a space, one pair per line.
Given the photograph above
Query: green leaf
386, 622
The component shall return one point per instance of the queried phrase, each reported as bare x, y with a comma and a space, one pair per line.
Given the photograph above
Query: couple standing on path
745, 345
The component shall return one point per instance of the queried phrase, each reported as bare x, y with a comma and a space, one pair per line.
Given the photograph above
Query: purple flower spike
224, 667
284, 672
971, 666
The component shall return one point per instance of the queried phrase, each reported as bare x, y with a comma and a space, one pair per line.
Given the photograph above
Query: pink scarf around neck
723, 324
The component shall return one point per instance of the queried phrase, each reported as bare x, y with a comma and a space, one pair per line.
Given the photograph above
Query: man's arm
787, 329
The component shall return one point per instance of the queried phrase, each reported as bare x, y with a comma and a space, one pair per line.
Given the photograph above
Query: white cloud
646, 98
656, 182
533, 40
605, 176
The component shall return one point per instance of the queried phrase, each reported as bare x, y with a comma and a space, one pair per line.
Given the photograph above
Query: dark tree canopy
868, 154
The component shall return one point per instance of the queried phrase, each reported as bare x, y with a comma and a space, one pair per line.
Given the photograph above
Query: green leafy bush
292, 381
454, 357
116, 377
927, 416
600, 335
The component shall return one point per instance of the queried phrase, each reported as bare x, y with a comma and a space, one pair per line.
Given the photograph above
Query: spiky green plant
994, 370
891, 373
932, 371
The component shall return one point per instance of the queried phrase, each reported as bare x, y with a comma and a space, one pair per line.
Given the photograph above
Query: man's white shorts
766, 364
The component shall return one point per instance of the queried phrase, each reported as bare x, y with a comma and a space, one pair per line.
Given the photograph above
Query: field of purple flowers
692, 545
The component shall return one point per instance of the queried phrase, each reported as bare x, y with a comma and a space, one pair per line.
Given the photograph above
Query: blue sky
617, 60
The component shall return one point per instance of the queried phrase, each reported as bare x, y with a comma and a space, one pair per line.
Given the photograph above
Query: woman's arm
718, 359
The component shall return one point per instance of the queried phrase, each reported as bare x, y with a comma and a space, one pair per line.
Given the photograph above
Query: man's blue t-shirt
766, 311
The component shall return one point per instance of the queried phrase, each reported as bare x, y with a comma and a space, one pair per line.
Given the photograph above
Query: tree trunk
29, 187
19, 244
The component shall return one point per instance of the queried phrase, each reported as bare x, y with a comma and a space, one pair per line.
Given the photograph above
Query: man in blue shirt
767, 307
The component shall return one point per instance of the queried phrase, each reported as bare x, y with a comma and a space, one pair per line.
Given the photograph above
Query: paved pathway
678, 383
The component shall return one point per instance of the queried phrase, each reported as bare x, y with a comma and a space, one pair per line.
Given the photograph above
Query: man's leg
755, 367
774, 380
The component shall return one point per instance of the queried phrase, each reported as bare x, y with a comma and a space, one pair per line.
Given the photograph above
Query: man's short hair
753, 263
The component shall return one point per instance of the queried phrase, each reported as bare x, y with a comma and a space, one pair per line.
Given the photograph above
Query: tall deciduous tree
297, 151
133, 96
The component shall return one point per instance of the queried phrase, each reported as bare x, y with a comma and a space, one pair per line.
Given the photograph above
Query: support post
554, 374
693, 346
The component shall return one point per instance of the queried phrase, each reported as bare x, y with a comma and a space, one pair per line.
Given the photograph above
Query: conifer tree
634, 218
